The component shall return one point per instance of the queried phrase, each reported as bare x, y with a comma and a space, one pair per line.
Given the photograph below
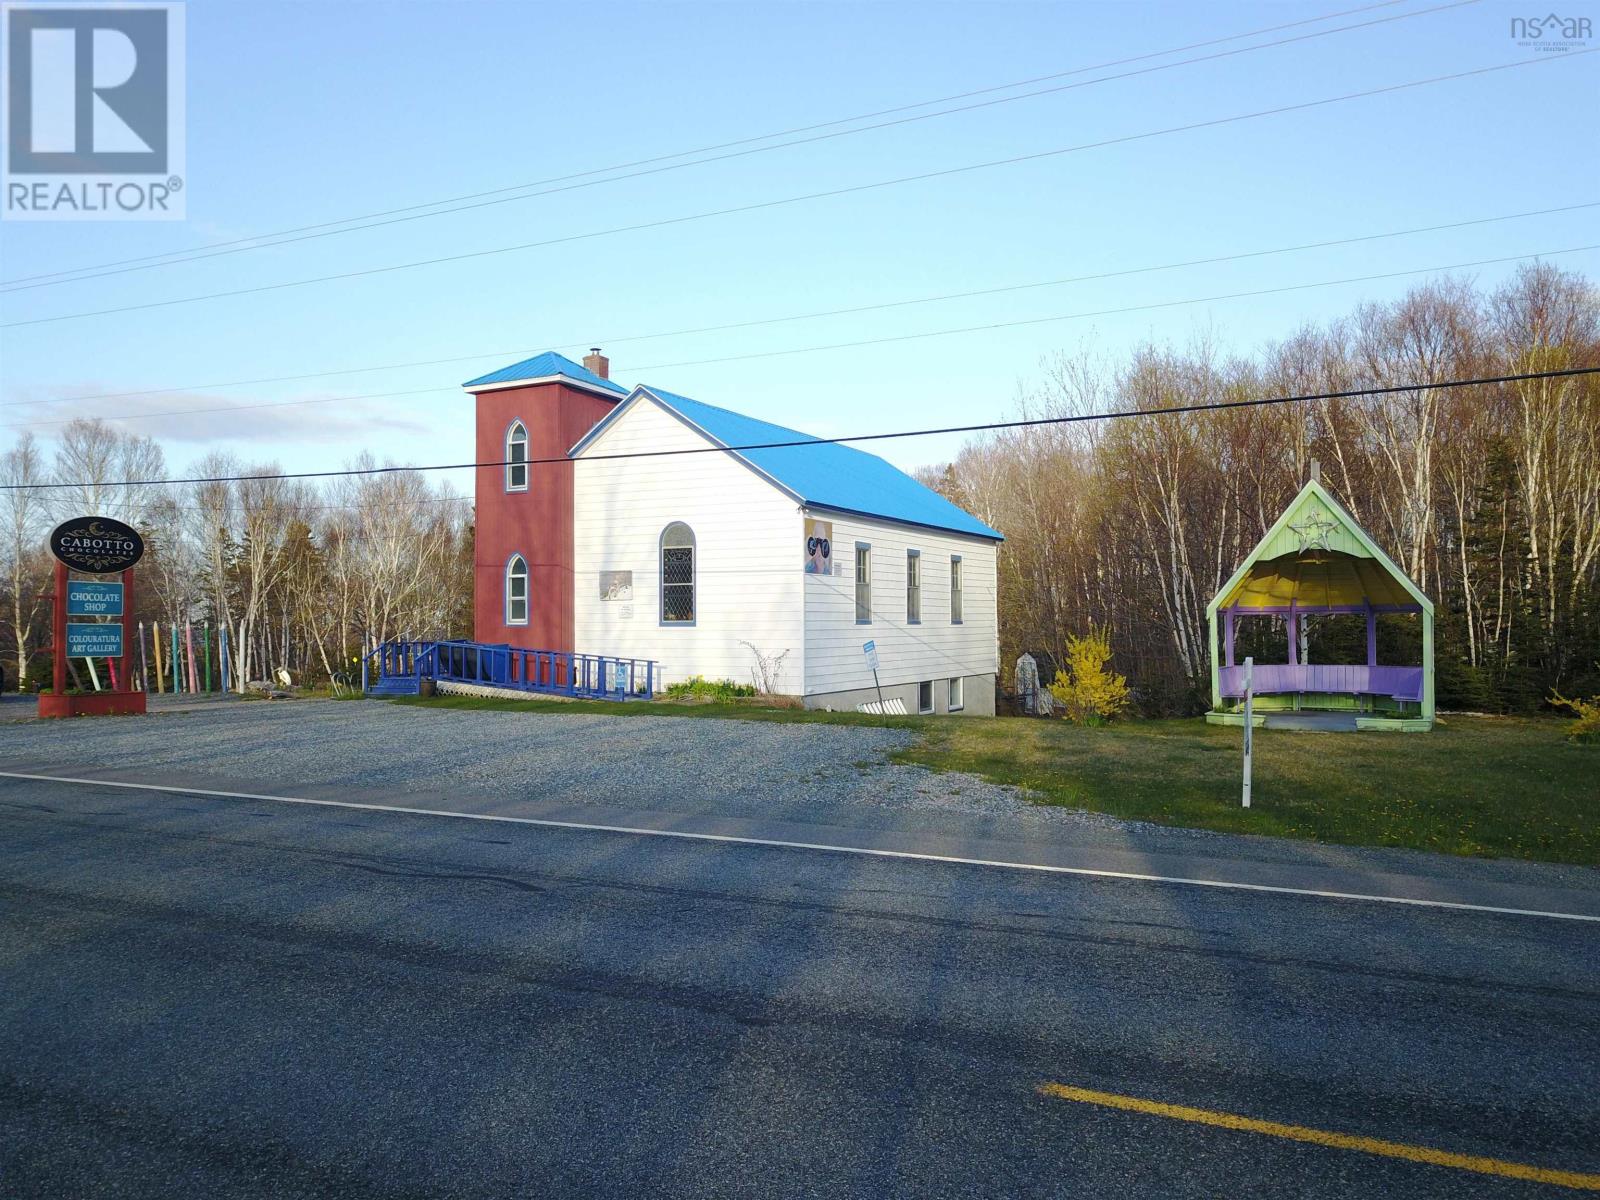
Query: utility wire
148, 508
879, 341
1107, 312
241, 243
984, 427
196, 257
804, 197
832, 312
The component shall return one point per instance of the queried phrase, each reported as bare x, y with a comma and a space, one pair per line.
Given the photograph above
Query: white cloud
193, 418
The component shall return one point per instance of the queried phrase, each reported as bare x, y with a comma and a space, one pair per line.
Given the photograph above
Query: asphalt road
204, 997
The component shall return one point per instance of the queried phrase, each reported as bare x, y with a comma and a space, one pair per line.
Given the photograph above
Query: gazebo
1317, 560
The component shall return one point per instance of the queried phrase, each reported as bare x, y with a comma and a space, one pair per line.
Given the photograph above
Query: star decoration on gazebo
1314, 532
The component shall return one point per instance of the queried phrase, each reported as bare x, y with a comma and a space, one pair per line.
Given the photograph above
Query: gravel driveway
732, 768
837, 775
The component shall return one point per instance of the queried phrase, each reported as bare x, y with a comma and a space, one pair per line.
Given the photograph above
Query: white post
1249, 724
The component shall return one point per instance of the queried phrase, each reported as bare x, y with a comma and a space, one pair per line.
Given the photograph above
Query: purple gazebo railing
1400, 683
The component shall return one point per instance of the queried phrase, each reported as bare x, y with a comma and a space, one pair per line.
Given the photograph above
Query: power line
148, 508
819, 314
803, 198
198, 251
1108, 312
985, 427
879, 341
196, 257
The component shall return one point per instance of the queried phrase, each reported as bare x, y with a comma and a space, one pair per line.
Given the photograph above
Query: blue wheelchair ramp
399, 668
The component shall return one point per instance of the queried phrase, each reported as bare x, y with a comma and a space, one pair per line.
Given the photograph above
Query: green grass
1479, 786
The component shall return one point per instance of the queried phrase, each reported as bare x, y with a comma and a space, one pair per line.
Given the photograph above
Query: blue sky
300, 113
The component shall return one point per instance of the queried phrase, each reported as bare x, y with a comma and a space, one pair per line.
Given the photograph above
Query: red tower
523, 552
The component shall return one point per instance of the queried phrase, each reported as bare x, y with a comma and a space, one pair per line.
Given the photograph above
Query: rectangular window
913, 587
955, 589
863, 584
956, 692
925, 697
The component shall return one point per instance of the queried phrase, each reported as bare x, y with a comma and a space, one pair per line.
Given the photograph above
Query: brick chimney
597, 362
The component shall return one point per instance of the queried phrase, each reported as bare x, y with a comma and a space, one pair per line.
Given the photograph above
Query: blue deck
397, 668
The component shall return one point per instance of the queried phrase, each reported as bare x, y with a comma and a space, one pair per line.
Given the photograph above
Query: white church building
726, 547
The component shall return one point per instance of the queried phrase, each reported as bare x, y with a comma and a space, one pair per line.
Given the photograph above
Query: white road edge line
823, 847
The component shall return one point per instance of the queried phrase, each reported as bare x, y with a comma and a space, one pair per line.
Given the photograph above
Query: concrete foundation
901, 698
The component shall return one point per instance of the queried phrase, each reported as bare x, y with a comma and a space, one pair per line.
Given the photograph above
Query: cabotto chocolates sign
97, 545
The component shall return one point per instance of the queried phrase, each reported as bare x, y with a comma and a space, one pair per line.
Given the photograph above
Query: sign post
1249, 724
870, 649
94, 546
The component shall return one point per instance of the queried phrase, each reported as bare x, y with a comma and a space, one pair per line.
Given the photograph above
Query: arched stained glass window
677, 575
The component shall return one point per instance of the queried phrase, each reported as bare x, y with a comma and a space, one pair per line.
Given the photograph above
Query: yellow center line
1322, 1137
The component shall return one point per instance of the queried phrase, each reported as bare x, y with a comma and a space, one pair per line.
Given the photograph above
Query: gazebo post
1228, 639
1216, 684
1427, 665
1294, 645
1372, 636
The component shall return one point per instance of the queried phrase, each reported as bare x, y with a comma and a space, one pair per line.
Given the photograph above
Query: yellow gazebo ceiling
1316, 556
1316, 579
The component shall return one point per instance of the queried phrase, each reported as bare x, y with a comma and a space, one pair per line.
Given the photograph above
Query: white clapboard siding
749, 554
934, 649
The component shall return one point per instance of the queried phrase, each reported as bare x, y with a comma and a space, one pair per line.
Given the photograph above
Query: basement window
925, 696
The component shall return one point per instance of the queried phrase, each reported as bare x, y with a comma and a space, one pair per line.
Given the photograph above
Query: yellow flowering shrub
1587, 726
1087, 692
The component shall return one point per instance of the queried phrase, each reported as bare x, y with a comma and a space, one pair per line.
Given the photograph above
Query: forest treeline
301, 576
1488, 496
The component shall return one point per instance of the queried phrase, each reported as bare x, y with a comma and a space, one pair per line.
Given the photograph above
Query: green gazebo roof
1317, 556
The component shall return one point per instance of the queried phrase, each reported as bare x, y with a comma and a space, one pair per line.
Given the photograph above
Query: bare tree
26, 564
97, 460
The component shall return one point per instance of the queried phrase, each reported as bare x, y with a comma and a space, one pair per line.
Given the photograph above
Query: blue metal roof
542, 366
826, 474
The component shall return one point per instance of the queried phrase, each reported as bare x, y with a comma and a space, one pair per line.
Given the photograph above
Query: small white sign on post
870, 649
1249, 724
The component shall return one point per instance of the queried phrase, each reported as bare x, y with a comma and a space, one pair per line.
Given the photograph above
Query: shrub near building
1087, 691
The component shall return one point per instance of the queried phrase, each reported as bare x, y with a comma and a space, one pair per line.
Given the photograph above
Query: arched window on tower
517, 591
677, 575
517, 457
